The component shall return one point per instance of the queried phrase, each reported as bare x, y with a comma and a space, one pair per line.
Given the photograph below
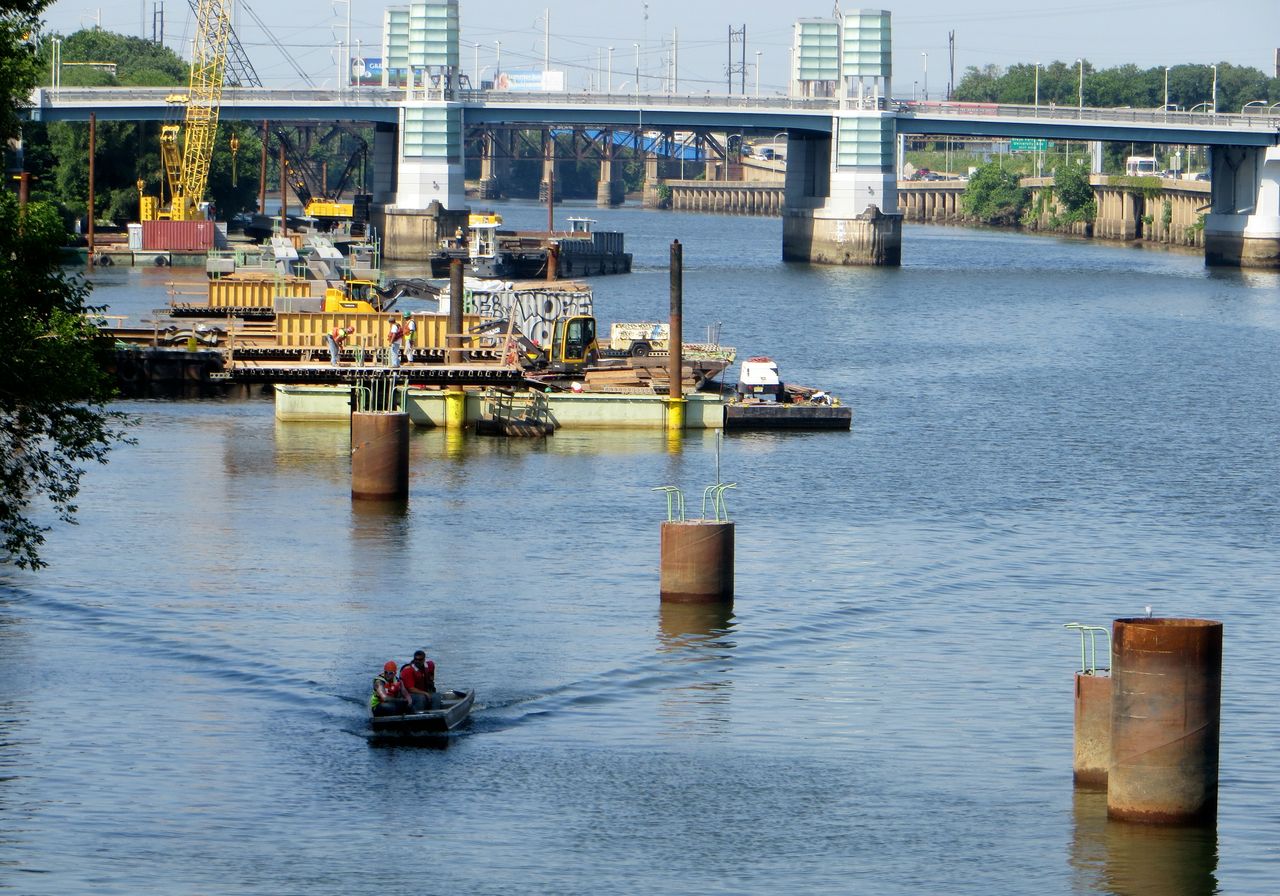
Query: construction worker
410, 328
388, 697
395, 337
335, 339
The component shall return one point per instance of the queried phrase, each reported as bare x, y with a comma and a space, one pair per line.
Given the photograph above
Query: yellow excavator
186, 168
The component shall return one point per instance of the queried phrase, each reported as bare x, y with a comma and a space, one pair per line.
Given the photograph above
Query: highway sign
1028, 144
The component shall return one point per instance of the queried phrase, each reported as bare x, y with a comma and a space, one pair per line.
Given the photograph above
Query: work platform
254, 371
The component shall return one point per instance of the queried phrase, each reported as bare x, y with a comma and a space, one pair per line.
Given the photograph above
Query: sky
1148, 33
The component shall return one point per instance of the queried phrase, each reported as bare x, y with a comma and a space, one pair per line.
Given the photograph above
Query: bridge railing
1174, 118
47, 97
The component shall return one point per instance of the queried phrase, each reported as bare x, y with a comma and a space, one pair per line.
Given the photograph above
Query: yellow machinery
354, 296
186, 171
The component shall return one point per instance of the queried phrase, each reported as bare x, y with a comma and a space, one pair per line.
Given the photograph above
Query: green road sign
1028, 144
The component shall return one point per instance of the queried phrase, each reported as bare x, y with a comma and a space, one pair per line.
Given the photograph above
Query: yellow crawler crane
187, 171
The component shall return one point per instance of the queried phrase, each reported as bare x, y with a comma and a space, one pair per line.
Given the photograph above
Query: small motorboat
451, 710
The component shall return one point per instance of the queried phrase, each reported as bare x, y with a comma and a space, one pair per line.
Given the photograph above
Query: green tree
1074, 193
993, 196
53, 387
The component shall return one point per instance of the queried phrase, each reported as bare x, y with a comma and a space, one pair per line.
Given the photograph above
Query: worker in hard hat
388, 697
336, 339
410, 329
395, 340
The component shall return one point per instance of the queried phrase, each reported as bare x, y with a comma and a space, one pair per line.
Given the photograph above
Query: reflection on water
685, 625
698, 633
1130, 859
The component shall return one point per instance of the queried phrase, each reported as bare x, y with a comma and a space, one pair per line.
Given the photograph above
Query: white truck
639, 339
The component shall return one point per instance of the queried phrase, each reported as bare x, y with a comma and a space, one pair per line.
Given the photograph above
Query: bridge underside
1242, 228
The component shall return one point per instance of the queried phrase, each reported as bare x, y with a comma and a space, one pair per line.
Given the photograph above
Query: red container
178, 236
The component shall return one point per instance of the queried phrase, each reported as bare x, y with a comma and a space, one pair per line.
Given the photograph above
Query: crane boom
204, 98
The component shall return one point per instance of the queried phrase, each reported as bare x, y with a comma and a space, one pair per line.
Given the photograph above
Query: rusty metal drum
379, 455
697, 561
1165, 719
1092, 730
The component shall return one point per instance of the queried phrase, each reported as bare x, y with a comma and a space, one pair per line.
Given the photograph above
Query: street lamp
610, 90
926, 76
758, 52
637, 46
1215, 89
1080, 96
1037, 88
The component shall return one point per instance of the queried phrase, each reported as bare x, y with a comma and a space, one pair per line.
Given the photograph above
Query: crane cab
573, 344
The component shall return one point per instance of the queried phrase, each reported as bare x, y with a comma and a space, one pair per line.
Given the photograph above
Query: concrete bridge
840, 200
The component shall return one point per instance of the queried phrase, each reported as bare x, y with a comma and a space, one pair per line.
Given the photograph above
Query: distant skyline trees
1189, 85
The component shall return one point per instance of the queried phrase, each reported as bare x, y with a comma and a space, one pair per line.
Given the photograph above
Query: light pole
476, 68
1215, 90
346, 75
1037, 88
926, 76
610, 82
1166, 93
758, 52
1080, 96
637, 46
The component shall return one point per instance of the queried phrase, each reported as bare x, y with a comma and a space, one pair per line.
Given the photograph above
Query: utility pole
740, 68
951, 81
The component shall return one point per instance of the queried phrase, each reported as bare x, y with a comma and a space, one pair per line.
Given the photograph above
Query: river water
1045, 432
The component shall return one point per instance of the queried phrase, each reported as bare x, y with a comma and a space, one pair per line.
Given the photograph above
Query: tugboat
490, 252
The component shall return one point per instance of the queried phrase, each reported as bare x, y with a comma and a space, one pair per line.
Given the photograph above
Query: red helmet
389, 666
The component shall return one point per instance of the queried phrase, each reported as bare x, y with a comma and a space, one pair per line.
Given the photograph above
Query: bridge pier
834, 199
609, 192
1242, 228
546, 186
651, 182
491, 166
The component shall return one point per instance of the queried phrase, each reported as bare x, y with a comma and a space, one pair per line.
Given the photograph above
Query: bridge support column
490, 180
430, 198
1242, 228
835, 190
546, 186
651, 183
609, 191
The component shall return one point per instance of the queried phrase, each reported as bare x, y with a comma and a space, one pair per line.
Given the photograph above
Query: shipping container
178, 236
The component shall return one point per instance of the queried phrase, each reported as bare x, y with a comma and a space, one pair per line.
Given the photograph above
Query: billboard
366, 71
530, 80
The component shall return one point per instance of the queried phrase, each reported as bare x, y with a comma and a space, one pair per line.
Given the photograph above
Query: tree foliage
994, 197
53, 387
1061, 84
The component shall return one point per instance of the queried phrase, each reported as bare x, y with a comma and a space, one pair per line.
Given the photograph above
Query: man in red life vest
419, 680
389, 697
335, 339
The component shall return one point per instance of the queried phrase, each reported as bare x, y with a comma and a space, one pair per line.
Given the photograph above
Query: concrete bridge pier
609, 191
836, 191
651, 181
491, 167
430, 195
546, 186
1242, 228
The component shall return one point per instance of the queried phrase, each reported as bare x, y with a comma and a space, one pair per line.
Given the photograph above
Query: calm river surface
1045, 432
